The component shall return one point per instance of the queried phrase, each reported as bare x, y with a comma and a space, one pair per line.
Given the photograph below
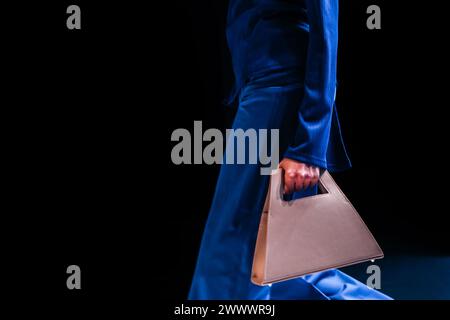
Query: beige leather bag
310, 234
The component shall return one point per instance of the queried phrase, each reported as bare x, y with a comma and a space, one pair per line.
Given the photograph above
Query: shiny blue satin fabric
268, 101
284, 59
275, 35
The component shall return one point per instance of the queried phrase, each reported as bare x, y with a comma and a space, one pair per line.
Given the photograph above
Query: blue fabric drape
275, 35
269, 100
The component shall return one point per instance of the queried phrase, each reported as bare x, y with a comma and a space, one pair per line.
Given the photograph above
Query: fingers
311, 177
315, 172
296, 180
300, 178
307, 178
290, 181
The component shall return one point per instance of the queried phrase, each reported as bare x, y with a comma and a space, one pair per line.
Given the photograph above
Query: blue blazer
268, 35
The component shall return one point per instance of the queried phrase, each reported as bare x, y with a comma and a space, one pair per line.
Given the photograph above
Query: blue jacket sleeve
315, 112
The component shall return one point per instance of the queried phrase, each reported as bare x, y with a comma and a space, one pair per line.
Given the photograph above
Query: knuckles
295, 174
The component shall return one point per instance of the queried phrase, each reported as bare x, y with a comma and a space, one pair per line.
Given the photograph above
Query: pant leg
337, 285
225, 259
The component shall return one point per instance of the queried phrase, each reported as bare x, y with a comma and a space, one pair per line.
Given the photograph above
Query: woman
284, 59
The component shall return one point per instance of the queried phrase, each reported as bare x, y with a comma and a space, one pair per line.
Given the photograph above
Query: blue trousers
224, 263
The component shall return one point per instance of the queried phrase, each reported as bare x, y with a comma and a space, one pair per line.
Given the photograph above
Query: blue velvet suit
284, 59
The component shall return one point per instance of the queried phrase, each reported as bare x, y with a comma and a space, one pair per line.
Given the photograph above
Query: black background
88, 116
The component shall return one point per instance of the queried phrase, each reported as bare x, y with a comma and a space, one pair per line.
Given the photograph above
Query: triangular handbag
311, 234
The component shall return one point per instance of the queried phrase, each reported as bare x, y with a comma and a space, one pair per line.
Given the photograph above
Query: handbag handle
326, 183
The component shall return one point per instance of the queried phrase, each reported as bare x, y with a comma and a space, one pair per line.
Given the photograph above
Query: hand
298, 175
